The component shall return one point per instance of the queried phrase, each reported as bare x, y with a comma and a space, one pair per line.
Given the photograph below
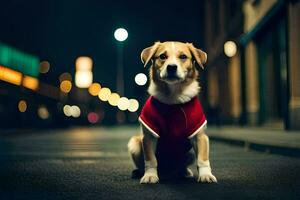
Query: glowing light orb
104, 94
141, 79
230, 48
93, 117
83, 79
66, 86
75, 111
67, 110
94, 89
22, 106
123, 103
133, 105
84, 63
121, 34
114, 99
43, 112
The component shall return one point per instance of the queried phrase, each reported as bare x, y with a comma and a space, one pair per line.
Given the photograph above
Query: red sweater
173, 124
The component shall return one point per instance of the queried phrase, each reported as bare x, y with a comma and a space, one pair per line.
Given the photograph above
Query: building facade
254, 78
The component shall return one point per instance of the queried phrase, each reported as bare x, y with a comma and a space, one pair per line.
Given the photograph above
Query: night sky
61, 30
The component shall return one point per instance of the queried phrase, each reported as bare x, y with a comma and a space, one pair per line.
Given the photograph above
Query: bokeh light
133, 105
93, 117
65, 76
83, 74
123, 104
43, 112
66, 86
44, 67
75, 111
84, 63
114, 99
140, 79
10, 75
83, 79
30, 82
104, 94
22, 106
94, 89
121, 34
230, 48
67, 110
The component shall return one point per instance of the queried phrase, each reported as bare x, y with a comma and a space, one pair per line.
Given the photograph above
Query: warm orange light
10, 76
30, 82
22, 106
66, 86
94, 89
84, 63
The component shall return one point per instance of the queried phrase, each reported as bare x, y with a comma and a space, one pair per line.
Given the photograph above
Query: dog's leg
149, 148
186, 172
136, 152
201, 147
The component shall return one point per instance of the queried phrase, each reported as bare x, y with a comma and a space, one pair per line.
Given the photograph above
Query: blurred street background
72, 86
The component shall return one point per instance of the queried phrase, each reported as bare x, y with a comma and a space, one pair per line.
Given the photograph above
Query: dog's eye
183, 57
163, 56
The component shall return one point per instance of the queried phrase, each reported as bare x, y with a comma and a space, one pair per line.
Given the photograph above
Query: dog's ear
199, 55
148, 53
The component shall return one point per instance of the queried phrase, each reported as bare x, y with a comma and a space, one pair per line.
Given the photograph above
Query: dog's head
173, 62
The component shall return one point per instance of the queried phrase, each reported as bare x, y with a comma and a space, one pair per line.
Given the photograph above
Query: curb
266, 148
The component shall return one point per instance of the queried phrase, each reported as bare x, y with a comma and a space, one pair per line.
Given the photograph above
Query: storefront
266, 46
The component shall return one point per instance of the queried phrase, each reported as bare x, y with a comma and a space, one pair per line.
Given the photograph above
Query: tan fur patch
204, 152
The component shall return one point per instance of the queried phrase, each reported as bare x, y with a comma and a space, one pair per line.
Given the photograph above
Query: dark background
60, 31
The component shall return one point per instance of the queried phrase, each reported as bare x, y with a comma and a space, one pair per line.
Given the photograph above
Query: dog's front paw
149, 178
205, 175
207, 178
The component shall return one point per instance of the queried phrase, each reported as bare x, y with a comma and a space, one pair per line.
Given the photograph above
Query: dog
172, 120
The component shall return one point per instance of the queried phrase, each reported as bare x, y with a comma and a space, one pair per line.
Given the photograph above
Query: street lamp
120, 35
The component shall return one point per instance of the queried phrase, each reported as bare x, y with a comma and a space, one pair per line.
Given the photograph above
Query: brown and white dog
173, 81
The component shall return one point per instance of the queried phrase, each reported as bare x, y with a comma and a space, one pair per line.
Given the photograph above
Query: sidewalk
263, 139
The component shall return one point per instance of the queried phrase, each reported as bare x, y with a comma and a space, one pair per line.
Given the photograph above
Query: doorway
271, 46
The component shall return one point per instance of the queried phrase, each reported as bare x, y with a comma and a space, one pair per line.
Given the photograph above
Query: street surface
93, 163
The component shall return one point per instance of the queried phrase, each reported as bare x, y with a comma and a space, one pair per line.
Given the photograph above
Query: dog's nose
171, 69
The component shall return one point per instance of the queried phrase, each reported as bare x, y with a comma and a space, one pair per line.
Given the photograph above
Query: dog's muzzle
172, 72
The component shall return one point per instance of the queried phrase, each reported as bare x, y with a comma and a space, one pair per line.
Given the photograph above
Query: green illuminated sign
19, 61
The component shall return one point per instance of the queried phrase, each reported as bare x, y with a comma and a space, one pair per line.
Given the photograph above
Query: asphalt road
94, 164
